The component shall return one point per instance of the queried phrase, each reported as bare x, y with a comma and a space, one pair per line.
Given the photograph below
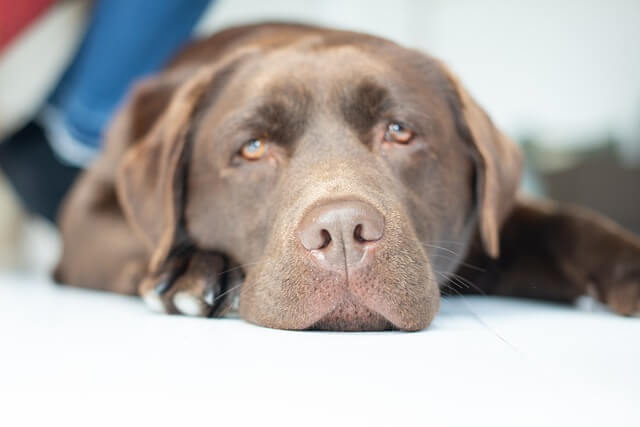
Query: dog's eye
254, 149
398, 133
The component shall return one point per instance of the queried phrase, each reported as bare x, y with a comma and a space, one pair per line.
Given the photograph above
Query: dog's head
346, 174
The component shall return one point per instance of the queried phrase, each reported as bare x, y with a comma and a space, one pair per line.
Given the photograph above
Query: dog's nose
340, 233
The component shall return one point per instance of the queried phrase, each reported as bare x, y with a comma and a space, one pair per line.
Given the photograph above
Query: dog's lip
345, 294
350, 298
343, 291
391, 317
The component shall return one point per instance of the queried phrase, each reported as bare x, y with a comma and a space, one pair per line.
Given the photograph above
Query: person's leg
125, 40
38, 178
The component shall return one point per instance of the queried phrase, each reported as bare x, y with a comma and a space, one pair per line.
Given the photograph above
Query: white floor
74, 357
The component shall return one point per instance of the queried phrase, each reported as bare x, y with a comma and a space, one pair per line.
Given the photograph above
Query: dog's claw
190, 290
190, 305
209, 296
154, 301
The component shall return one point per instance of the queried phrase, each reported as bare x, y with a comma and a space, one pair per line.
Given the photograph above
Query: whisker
466, 264
237, 267
231, 289
234, 287
439, 247
485, 325
449, 286
469, 283
450, 281
452, 242
474, 267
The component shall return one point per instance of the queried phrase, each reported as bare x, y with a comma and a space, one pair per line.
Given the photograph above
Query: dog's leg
558, 252
100, 250
190, 284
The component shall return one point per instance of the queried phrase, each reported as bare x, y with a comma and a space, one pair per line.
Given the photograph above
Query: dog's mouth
386, 292
350, 315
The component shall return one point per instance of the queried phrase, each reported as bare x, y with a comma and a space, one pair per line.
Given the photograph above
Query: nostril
357, 234
355, 222
368, 231
326, 238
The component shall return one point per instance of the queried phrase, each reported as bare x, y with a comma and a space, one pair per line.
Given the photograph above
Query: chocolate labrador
322, 179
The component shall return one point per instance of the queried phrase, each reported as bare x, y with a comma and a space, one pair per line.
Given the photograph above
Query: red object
17, 15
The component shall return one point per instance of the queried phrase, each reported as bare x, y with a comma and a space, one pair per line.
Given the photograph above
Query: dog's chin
351, 316
373, 298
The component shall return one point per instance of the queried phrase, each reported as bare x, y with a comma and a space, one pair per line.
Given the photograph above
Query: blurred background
561, 77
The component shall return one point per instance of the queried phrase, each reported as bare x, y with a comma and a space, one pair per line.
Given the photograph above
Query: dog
312, 178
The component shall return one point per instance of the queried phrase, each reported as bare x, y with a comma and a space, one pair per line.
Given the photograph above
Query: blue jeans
125, 40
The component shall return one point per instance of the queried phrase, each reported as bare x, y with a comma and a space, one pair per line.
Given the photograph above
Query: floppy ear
498, 164
151, 176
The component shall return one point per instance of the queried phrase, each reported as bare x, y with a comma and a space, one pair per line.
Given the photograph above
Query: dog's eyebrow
282, 114
363, 105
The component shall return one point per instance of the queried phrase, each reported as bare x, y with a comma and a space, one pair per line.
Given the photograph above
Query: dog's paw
624, 297
612, 271
616, 282
191, 286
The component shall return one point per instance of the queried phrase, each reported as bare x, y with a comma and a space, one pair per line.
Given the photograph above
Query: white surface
75, 357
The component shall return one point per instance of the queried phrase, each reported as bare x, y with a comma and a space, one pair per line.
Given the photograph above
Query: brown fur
170, 206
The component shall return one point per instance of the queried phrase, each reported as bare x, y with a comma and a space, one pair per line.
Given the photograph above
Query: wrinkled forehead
316, 69
328, 72
356, 82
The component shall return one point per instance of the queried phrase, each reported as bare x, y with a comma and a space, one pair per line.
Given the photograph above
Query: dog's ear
151, 177
498, 163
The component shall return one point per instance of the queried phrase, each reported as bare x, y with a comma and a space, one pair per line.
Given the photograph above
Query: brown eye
398, 133
254, 149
